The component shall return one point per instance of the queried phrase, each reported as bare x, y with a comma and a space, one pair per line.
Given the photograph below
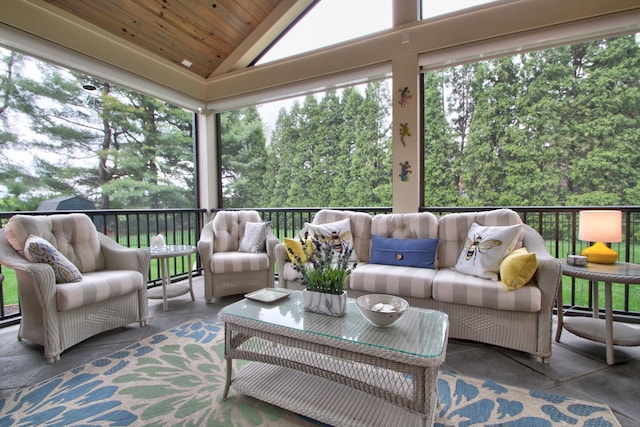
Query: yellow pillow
517, 268
295, 246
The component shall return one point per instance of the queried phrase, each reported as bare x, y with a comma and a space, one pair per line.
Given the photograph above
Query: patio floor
578, 368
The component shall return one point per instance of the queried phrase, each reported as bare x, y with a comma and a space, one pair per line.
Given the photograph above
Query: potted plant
324, 274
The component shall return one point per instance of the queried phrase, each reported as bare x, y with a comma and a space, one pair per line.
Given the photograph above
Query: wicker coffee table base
338, 386
321, 399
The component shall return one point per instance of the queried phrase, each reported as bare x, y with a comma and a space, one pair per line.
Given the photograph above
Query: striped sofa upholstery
360, 232
478, 309
227, 271
111, 293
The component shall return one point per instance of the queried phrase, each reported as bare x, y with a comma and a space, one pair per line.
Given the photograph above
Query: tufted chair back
74, 235
228, 228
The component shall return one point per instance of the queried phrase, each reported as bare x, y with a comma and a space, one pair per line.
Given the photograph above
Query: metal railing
557, 225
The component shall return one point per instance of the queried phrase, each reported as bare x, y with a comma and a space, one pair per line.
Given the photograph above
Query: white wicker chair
111, 293
226, 270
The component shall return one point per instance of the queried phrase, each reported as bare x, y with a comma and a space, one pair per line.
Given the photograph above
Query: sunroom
412, 46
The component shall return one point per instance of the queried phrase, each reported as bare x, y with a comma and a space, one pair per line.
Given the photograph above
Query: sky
335, 21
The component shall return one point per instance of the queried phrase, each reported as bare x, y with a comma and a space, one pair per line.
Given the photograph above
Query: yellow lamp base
600, 254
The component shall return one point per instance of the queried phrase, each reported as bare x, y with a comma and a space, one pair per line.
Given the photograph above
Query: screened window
327, 149
65, 134
549, 127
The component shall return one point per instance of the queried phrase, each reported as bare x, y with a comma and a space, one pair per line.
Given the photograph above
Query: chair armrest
118, 257
271, 243
549, 273
39, 272
282, 258
205, 244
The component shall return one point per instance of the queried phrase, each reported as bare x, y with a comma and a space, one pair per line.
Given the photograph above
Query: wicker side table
595, 328
164, 254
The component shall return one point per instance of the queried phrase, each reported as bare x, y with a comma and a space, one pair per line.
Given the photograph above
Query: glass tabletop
171, 250
626, 272
418, 332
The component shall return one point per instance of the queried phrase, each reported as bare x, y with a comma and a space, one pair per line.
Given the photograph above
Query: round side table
596, 329
164, 254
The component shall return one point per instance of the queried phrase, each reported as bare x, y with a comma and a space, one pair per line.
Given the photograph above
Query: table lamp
600, 226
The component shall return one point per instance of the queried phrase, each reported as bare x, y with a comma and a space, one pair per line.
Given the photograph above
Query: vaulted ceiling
207, 37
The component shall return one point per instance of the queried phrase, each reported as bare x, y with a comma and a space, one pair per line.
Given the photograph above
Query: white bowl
380, 309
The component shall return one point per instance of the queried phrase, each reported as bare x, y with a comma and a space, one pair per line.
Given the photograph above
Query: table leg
608, 323
596, 305
165, 281
190, 267
560, 308
228, 381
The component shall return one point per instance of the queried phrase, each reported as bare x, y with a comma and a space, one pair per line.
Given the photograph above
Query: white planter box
320, 302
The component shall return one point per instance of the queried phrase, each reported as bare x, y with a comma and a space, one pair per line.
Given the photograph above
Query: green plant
328, 265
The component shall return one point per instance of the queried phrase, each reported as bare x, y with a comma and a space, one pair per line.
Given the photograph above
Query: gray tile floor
578, 368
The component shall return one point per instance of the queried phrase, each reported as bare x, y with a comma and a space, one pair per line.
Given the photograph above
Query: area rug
176, 378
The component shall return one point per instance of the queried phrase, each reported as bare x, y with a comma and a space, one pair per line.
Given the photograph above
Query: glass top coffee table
337, 370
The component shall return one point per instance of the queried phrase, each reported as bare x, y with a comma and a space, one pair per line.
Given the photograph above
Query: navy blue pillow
403, 252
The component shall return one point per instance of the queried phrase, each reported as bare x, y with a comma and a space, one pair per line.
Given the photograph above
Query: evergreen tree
115, 147
244, 158
279, 162
440, 148
605, 169
371, 170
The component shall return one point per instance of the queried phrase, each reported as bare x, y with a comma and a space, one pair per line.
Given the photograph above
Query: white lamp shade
600, 226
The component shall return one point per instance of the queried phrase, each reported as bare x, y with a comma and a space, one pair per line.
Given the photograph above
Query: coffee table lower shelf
320, 399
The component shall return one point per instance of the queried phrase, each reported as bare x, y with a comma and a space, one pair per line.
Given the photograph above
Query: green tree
440, 148
606, 157
279, 161
115, 147
243, 159
371, 170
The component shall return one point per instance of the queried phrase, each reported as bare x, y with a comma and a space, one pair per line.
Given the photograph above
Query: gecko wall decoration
405, 96
406, 170
404, 131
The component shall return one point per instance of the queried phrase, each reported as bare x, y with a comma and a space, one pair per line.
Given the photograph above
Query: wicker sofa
479, 309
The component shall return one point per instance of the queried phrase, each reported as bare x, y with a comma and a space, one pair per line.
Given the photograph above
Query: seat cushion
98, 286
458, 288
394, 280
234, 262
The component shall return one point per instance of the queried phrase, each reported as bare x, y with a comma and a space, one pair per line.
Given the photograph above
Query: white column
407, 156
207, 162
407, 139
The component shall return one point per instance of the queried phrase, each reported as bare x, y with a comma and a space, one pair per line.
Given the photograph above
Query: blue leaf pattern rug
176, 378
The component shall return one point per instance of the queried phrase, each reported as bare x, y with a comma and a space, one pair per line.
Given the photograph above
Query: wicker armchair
228, 269
111, 292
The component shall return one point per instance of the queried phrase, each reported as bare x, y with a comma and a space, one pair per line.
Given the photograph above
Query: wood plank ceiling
203, 33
